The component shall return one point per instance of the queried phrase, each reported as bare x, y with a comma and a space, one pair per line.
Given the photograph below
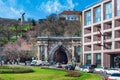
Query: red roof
70, 12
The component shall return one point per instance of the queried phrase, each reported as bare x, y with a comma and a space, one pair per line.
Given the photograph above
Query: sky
39, 9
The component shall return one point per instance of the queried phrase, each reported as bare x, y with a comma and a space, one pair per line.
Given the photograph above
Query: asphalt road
102, 74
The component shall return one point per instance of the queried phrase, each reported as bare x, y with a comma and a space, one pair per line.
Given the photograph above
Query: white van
36, 63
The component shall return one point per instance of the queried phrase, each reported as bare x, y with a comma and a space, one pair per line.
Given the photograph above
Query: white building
70, 15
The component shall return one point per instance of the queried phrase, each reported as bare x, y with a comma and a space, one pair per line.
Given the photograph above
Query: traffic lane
104, 75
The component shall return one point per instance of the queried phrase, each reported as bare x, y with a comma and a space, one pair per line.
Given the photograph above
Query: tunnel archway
60, 56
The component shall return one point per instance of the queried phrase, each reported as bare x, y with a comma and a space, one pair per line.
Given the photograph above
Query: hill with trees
53, 26
19, 41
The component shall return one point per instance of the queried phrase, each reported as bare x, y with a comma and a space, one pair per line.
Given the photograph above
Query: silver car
36, 63
112, 70
114, 76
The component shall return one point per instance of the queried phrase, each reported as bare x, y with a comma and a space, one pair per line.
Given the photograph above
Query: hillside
59, 28
16, 40
6, 21
11, 29
20, 41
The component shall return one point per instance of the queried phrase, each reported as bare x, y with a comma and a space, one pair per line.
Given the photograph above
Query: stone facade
59, 49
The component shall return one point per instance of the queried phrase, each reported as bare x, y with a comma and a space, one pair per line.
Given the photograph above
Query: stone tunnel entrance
60, 56
59, 49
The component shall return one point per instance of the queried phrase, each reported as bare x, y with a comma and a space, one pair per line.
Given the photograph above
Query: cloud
70, 4
36, 9
52, 6
8, 11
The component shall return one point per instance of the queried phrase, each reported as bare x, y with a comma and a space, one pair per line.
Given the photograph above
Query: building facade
70, 15
101, 34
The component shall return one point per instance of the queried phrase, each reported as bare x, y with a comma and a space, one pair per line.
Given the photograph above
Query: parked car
87, 69
69, 67
112, 70
28, 63
45, 63
114, 76
58, 65
36, 63
99, 69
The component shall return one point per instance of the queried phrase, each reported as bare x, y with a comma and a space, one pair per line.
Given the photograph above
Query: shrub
7, 69
52, 68
1, 79
71, 73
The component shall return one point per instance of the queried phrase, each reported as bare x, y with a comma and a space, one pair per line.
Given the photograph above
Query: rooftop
69, 12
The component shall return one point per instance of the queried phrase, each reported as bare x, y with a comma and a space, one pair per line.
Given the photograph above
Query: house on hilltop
71, 15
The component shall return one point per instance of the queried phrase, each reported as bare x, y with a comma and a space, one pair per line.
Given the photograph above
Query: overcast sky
38, 9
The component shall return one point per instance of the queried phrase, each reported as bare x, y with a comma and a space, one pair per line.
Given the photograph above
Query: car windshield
33, 61
100, 67
116, 74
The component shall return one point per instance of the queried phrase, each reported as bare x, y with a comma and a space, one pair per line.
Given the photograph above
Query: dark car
58, 65
28, 63
44, 63
70, 67
88, 68
91, 69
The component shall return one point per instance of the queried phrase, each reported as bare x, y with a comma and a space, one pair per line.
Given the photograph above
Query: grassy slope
47, 74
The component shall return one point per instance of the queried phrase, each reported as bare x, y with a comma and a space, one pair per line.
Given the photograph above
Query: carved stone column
73, 49
38, 56
46, 55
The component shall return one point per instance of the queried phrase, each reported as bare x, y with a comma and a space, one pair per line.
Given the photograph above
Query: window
98, 59
108, 10
88, 18
98, 56
88, 56
97, 12
118, 7
72, 18
75, 18
68, 18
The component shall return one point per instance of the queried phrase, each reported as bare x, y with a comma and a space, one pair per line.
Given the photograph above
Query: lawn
48, 74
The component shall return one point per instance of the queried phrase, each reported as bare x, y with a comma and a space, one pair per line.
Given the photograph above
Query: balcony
87, 30
117, 34
107, 35
97, 37
117, 44
96, 47
96, 28
107, 25
107, 45
87, 48
117, 23
87, 39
